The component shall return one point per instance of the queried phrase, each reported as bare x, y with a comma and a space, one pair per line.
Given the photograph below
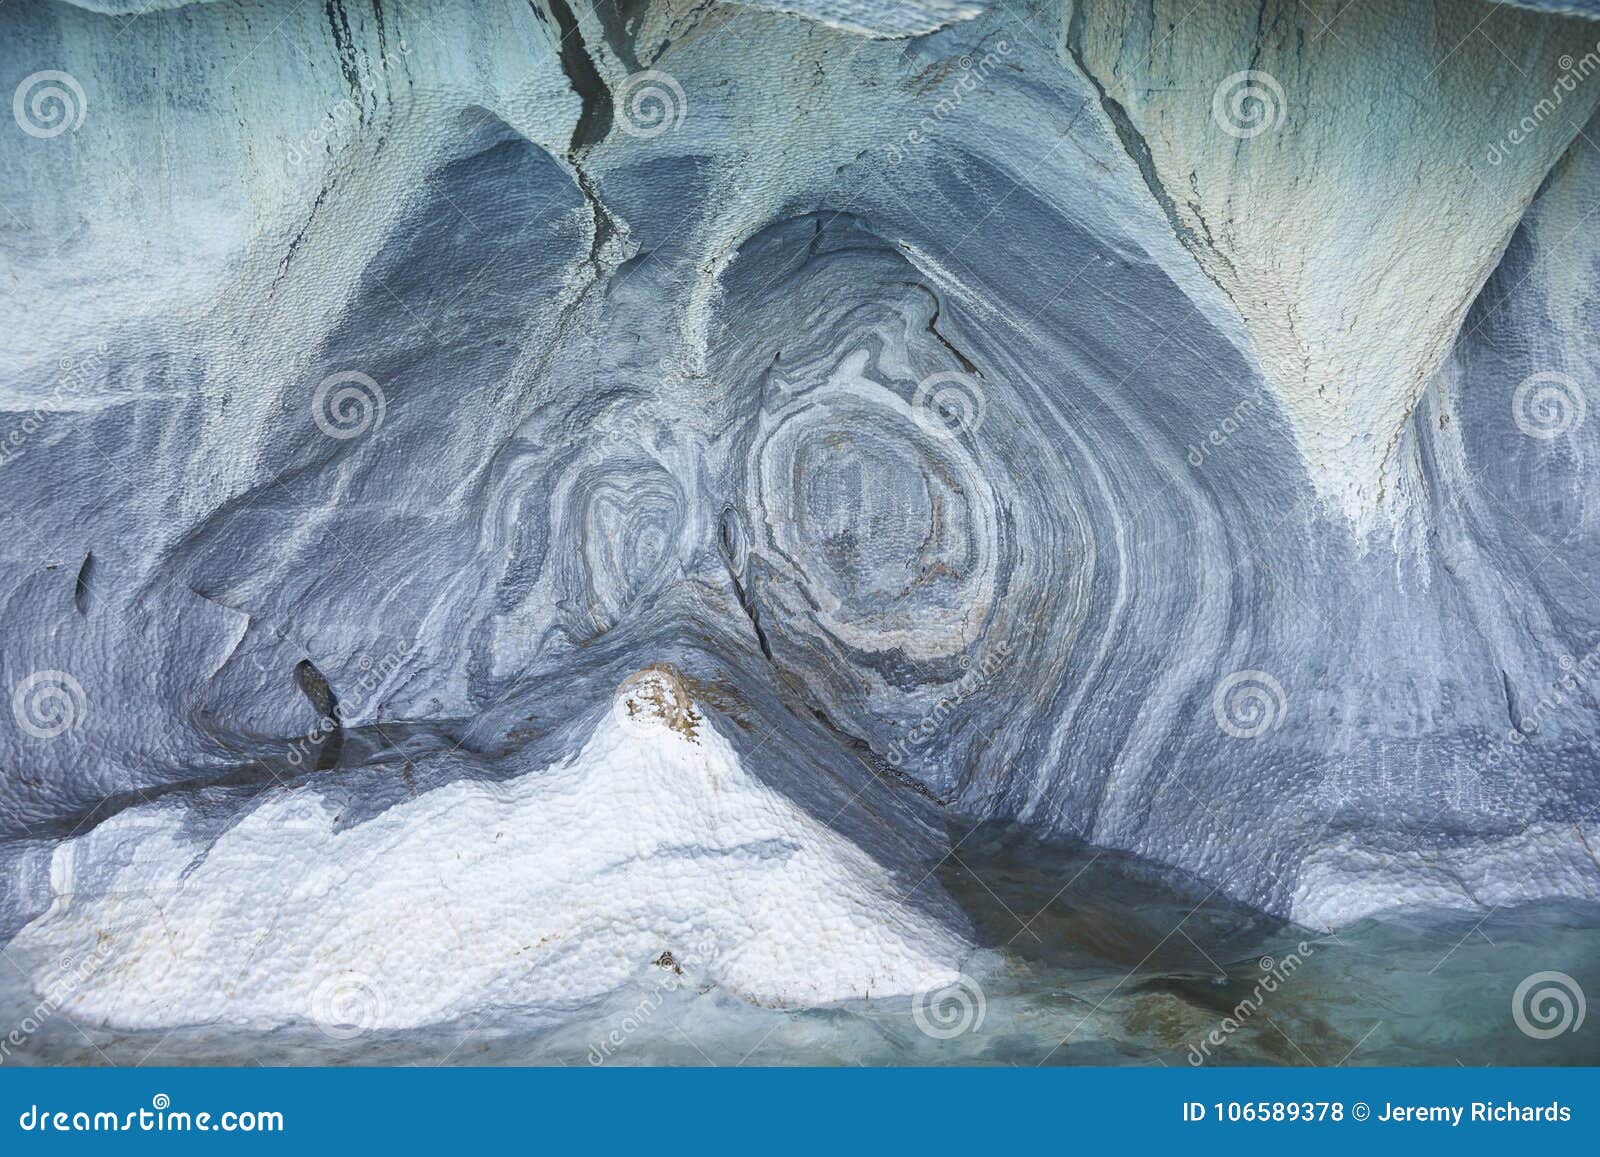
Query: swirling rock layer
955, 413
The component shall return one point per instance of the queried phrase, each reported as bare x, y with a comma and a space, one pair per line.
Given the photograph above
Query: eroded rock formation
973, 418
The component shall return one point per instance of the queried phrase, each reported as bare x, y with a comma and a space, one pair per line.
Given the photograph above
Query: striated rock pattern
1285, 186
919, 413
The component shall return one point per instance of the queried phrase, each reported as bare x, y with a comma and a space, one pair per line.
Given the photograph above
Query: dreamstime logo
350, 110
355, 696
1230, 425
972, 75
1573, 74
347, 1004
155, 1119
950, 404
1548, 1004
652, 103
1248, 104
676, 972
70, 975
346, 404
1548, 405
1247, 704
1275, 973
48, 103
77, 375
975, 679
946, 1013
48, 704
1576, 674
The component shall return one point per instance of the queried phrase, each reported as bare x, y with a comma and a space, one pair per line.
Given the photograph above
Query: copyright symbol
1360, 1111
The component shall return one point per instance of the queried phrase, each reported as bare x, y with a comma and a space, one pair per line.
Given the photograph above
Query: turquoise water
1091, 958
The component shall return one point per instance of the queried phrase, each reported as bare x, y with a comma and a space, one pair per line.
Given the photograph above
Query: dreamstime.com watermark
650, 103
75, 376
1231, 424
1274, 974
949, 404
347, 404
978, 676
1247, 104
1549, 404
348, 111
47, 104
160, 1117
1562, 691
355, 696
49, 704
676, 972
948, 1011
70, 974
1248, 704
1573, 73
970, 76
347, 1003
1548, 1004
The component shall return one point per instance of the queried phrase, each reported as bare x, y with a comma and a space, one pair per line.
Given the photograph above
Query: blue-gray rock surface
1162, 431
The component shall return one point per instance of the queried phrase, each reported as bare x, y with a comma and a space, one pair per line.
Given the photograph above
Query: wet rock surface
902, 385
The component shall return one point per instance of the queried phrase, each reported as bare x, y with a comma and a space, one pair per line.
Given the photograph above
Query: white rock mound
653, 847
